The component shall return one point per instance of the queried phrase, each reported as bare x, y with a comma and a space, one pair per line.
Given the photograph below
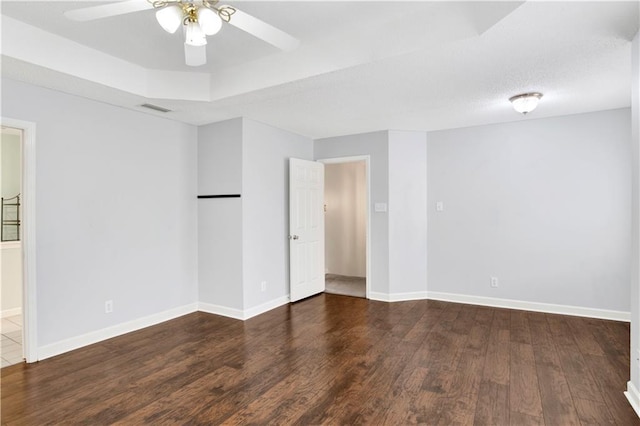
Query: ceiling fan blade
106, 10
262, 30
195, 56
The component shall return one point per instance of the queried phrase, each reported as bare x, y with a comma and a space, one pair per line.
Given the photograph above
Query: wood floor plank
521, 419
520, 332
593, 412
524, 391
556, 398
502, 319
609, 382
337, 360
497, 360
403, 393
583, 334
578, 374
610, 335
492, 407
459, 403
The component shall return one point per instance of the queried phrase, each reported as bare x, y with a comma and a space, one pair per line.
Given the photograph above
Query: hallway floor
11, 343
346, 286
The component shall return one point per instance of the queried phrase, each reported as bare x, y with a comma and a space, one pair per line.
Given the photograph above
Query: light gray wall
220, 158
243, 241
265, 216
541, 204
220, 220
220, 252
408, 213
377, 147
11, 165
11, 276
345, 217
635, 213
116, 211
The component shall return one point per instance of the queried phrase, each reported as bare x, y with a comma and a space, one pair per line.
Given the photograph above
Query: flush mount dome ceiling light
525, 102
199, 19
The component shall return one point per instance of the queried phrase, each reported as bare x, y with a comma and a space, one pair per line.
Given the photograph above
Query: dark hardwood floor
338, 360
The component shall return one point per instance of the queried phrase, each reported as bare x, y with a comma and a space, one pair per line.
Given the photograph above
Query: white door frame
367, 160
28, 234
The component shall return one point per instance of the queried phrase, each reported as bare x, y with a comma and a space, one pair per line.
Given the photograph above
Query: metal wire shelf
10, 218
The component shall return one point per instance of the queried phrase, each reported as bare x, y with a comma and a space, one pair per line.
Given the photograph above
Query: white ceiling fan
198, 18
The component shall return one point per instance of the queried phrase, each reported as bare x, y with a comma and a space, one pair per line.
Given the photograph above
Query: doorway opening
11, 306
17, 253
346, 224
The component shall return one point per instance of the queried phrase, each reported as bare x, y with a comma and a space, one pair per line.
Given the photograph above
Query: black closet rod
220, 196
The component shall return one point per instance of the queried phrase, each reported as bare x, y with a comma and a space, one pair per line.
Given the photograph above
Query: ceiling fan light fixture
209, 20
194, 35
525, 102
170, 18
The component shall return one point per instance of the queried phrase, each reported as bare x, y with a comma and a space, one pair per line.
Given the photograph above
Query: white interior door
306, 228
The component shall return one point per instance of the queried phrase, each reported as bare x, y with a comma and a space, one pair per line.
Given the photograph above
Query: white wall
407, 214
220, 220
220, 158
11, 161
345, 218
243, 241
11, 276
541, 204
634, 388
220, 252
265, 195
116, 211
376, 145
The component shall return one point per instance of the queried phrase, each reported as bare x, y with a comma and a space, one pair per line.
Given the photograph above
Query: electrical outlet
263, 286
439, 206
108, 306
494, 282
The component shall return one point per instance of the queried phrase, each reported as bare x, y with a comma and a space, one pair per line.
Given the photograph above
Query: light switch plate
380, 207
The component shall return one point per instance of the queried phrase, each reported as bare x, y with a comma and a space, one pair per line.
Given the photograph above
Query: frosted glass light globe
170, 18
525, 102
209, 21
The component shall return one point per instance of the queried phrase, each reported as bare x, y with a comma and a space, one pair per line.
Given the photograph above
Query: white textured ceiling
361, 66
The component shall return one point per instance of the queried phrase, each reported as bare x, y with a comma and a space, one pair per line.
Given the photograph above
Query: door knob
293, 237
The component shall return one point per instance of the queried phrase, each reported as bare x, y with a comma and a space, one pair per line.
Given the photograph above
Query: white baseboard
77, 342
531, 306
242, 314
70, 344
397, 297
210, 308
380, 297
10, 312
67, 345
261, 309
633, 396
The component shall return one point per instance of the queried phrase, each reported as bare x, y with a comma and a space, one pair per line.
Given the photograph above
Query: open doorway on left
11, 267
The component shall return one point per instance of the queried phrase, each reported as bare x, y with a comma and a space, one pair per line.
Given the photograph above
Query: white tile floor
11, 343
